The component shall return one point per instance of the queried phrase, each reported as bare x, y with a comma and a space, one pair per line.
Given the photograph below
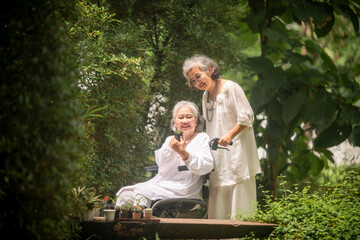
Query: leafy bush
38, 122
304, 214
114, 87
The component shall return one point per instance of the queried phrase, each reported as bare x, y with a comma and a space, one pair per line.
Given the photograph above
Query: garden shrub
114, 86
307, 214
38, 122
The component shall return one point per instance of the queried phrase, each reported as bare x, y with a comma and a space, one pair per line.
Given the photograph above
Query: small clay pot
136, 215
148, 213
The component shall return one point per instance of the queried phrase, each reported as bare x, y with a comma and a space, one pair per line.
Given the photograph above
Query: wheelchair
185, 207
182, 207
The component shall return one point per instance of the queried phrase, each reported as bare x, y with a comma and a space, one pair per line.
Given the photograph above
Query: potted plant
137, 211
107, 203
148, 213
125, 210
85, 201
137, 208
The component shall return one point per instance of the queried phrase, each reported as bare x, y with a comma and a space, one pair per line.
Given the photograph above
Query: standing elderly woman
228, 116
192, 150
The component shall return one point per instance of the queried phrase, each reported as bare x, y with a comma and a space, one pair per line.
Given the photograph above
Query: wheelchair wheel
180, 208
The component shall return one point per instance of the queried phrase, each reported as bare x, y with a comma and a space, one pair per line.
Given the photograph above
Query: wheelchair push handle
214, 144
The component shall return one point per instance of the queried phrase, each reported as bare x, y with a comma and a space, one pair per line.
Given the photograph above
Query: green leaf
332, 136
321, 13
256, 21
300, 12
280, 36
324, 25
320, 110
260, 64
347, 12
297, 59
246, 35
259, 97
350, 114
328, 155
292, 106
311, 75
93, 112
354, 138
275, 111
274, 79
317, 164
312, 47
327, 60
275, 130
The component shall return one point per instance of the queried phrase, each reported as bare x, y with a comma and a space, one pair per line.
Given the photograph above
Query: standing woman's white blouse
169, 182
242, 161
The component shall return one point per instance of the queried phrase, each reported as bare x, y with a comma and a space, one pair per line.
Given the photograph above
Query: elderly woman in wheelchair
172, 191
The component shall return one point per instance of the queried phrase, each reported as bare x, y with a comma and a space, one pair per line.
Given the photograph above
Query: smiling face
201, 79
185, 121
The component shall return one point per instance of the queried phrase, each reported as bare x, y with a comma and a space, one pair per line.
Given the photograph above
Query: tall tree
300, 89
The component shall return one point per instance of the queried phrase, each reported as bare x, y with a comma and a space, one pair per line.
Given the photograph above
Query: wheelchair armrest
155, 168
182, 168
152, 168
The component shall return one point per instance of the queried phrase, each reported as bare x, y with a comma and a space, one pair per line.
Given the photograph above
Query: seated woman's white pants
229, 201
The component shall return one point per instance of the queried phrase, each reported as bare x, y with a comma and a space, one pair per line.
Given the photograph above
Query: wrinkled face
200, 79
185, 120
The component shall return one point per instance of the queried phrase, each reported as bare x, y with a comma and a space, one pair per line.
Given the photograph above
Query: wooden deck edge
176, 228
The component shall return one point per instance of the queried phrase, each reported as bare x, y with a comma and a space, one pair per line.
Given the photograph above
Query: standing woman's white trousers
229, 201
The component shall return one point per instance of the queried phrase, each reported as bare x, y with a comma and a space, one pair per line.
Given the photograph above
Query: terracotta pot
136, 215
147, 214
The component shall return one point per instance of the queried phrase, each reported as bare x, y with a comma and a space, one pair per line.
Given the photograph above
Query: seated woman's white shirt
169, 182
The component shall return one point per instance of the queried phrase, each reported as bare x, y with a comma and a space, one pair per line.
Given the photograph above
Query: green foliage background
304, 100
114, 86
87, 86
173, 31
39, 121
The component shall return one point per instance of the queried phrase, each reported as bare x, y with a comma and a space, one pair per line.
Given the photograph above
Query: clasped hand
225, 141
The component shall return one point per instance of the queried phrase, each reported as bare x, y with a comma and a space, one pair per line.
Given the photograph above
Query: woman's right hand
225, 141
179, 147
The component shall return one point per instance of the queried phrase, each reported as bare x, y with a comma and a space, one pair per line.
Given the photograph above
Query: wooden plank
212, 228
175, 228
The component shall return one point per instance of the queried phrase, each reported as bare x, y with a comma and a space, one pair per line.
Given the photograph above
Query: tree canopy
309, 102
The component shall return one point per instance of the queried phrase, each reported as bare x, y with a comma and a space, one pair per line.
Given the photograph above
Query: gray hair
195, 110
203, 62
